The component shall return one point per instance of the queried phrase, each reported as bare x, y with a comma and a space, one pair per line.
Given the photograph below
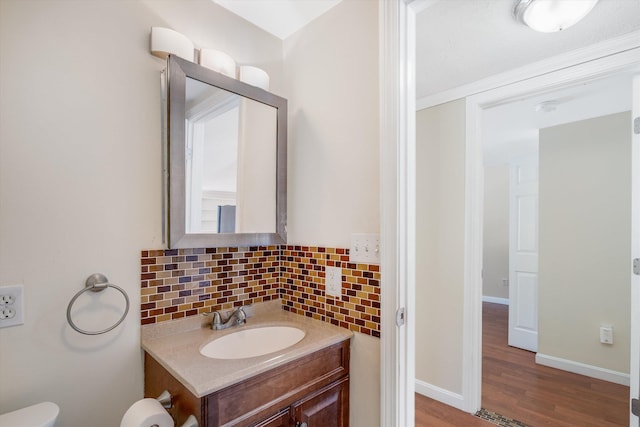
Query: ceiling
281, 18
461, 41
511, 130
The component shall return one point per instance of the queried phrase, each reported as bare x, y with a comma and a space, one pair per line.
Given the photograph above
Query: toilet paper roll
146, 413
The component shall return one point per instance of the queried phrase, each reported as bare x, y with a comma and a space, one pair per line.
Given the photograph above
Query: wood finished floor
514, 386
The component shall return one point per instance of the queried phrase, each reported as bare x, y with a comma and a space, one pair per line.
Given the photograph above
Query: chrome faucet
238, 317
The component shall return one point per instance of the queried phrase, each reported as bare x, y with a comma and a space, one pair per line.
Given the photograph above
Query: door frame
397, 208
616, 60
397, 99
397, 139
635, 253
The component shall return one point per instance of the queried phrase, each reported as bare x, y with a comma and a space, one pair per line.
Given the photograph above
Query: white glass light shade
218, 61
254, 76
165, 41
549, 16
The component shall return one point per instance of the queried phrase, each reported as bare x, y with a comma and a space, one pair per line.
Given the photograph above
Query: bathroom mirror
227, 159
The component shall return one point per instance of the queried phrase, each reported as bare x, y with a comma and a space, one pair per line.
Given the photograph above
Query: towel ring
97, 283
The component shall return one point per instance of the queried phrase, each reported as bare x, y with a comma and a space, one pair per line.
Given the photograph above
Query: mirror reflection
230, 162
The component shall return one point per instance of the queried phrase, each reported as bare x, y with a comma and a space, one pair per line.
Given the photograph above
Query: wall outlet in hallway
606, 334
505, 282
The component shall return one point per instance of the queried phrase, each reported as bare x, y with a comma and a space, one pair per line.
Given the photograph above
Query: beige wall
584, 239
331, 69
80, 188
440, 244
331, 73
495, 252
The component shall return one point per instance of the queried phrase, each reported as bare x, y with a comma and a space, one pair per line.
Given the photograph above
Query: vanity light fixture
254, 76
550, 16
218, 61
165, 41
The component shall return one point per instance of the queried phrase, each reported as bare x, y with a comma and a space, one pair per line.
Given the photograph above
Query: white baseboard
441, 395
496, 300
583, 369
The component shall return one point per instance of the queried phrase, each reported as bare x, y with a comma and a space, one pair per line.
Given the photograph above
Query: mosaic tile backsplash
303, 290
186, 282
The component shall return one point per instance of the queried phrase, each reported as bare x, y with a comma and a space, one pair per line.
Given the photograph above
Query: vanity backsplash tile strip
177, 283
303, 289
185, 282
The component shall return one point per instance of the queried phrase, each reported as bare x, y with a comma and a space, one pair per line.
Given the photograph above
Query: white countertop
175, 345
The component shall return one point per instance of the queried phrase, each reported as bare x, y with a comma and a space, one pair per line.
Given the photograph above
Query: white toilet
41, 415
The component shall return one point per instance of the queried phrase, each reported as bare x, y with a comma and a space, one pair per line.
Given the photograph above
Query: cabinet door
329, 407
281, 419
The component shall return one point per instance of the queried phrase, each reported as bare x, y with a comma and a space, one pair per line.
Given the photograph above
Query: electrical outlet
7, 313
505, 282
7, 299
606, 334
365, 248
11, 305
333, 281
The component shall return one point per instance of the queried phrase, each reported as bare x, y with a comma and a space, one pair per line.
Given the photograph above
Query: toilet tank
41, 415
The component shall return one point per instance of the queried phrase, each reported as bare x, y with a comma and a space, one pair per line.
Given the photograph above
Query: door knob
299, 424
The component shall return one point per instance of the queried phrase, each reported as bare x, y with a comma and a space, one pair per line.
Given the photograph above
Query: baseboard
496, 300
583, 369
441, 395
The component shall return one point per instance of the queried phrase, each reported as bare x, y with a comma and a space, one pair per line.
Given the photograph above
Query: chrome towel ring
97, 283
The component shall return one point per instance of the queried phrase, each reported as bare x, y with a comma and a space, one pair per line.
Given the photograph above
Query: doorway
583, 148
477, 107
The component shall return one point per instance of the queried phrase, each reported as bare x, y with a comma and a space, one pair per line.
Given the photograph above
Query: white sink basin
252, 342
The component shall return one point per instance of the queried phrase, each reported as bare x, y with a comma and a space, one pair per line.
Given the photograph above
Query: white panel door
635, 252
523, 253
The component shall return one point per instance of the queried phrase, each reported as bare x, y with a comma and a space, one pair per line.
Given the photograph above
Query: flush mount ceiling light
549, 16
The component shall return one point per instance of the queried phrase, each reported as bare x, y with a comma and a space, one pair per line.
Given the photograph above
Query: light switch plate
333, 281
365, 248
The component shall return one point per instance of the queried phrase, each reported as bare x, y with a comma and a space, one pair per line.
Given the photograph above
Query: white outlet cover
606, 334
15, 310
333, 281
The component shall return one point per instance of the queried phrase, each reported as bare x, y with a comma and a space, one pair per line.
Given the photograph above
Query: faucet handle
217, 319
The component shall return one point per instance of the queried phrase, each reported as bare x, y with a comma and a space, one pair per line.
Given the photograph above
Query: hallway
514, 386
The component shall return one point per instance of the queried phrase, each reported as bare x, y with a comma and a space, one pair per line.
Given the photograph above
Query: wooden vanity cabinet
281, 419
324, 407
313, 390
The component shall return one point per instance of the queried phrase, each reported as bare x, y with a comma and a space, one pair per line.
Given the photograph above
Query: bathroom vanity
304, 385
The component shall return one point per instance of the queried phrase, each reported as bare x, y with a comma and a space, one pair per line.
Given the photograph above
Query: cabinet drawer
249, 401
281, 419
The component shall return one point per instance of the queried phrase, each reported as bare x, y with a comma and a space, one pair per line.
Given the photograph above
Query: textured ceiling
461, 41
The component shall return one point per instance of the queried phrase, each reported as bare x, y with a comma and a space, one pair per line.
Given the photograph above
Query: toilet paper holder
165, 400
